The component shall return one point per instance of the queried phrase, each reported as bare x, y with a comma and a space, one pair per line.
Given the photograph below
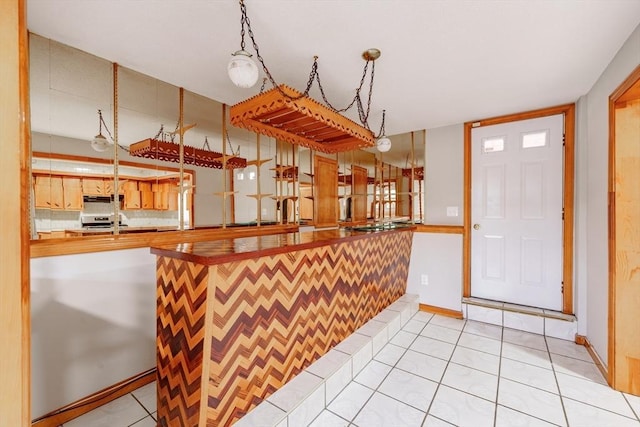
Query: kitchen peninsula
238, 318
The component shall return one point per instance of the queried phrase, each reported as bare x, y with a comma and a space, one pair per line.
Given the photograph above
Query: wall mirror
273, 185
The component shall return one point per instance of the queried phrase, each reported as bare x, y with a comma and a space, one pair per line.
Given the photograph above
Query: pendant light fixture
100, 143
243, 70
383, 143
291, 115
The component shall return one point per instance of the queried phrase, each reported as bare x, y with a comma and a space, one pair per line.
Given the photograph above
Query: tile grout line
624, 396
435, 393
518, 382
143, 407
555, 376
385, 377
495, 412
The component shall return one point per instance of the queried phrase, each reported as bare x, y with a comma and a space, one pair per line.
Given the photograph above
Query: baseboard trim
87, 404
583, 340
441, 311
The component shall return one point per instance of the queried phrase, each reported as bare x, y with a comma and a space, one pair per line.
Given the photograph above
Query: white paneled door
516, 212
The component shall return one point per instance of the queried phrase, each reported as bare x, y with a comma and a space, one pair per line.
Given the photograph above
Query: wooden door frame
568, 111
15, 311
615, 97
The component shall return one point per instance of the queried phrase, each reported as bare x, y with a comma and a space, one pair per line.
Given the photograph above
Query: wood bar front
238, 318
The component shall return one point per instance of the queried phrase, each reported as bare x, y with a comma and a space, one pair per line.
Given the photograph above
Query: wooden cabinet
165, 196
49, 193
94, 187
42, 190
72, 193
146, 194
132, 199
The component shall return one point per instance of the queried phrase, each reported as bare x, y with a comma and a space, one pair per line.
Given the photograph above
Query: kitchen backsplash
53, 220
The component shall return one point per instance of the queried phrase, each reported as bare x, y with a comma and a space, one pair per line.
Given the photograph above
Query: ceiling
443, 61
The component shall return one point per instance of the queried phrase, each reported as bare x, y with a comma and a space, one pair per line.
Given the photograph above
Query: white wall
93, 323
444, 174
439, 257
596, 143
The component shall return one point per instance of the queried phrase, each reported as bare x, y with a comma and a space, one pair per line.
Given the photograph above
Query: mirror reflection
248, 179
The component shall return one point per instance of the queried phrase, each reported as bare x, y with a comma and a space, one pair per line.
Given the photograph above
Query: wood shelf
294, 198
258, 162
259, 196
224, 193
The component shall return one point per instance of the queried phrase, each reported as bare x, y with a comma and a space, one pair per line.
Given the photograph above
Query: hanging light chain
382, 131
159, 132
243, 18
313, 75
102, 123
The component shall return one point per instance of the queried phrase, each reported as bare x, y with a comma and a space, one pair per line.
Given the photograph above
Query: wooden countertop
226, 250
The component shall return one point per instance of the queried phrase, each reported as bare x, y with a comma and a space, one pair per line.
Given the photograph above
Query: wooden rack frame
302, 121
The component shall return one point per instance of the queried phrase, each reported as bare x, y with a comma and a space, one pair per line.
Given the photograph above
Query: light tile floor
439, 371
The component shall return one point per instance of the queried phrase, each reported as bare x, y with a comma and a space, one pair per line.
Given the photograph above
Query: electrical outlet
424, 280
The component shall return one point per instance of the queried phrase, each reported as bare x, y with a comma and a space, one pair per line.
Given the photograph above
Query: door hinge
562, 288
563, 214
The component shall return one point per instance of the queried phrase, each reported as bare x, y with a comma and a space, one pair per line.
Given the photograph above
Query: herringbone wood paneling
271, 317
181, 309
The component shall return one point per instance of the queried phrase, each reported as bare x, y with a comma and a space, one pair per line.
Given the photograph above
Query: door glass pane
491, 145
534, 139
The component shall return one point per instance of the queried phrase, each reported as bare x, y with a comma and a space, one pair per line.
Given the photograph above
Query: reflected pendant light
99, 142
383, 143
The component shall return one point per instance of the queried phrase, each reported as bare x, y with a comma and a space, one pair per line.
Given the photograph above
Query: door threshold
521, 317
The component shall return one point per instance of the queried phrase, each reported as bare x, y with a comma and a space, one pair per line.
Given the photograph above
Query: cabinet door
93, 186
132, 199
172, 200
146, 199
127, 185
72, 193
108, 186
145, 186
42, 190
160, 200
57, 193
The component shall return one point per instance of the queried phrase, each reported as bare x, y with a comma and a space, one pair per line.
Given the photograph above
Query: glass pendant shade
242, 70
100, 143
383, 144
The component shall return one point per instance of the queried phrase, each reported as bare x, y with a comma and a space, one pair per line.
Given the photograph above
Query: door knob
476, 226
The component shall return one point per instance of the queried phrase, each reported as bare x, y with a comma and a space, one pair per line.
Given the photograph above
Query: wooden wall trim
583, 340
441, 311
625, 86
89, 403
568, 111
542, 112
71, 246
567, 226
444, 229
466, 238
15, 375
611, 355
